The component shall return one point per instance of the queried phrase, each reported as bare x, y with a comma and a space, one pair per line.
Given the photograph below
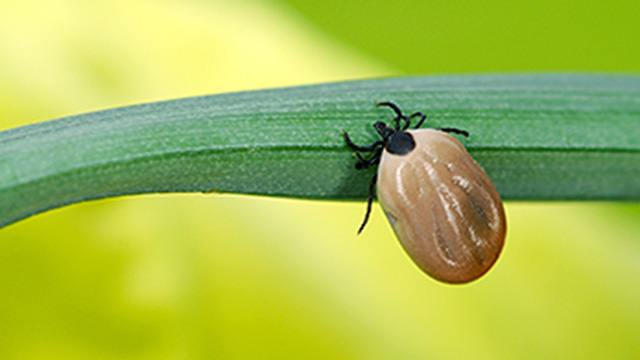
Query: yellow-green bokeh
221, 276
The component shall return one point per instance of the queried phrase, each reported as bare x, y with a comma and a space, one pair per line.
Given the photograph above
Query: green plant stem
548, 137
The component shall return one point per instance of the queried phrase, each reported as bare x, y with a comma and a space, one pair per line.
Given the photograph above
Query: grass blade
539, 137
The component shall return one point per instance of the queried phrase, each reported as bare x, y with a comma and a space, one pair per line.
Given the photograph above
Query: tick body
443, 207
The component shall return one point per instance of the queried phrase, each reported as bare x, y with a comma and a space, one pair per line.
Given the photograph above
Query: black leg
422, 117
360, 148
369, 202
393, 106
360, 158
455, 131
375, 159
396, 121
395, 109
407, 123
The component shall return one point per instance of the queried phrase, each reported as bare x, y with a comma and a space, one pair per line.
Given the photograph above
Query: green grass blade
538, 137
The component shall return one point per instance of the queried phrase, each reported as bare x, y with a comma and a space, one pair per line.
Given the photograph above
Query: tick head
384, 130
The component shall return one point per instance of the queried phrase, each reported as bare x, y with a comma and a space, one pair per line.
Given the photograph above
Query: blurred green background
223, 276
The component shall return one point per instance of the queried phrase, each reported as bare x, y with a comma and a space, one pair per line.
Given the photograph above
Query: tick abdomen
443, 207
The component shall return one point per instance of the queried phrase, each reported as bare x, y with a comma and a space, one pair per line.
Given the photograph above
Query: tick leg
407, 123
455, 131
422, 117
369, 202
396, 109
360, 148
393, 106
375, 159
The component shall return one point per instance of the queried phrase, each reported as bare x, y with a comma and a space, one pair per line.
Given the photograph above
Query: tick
443, 207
